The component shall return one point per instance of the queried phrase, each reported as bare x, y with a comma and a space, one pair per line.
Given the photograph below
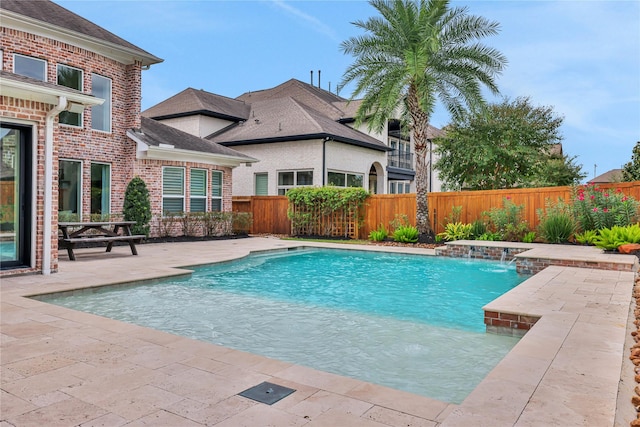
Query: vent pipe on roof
311, 77
318, 79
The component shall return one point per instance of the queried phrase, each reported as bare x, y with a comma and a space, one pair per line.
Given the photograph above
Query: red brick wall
151, 173
82, 144
28, 112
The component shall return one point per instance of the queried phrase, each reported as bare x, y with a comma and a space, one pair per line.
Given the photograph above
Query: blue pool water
410, 322
7, 251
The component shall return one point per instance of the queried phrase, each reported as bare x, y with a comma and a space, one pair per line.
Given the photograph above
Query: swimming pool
378, 317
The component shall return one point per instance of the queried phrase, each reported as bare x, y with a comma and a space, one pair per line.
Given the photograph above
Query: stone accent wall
508, 324
480, 252
536, 265
524, 265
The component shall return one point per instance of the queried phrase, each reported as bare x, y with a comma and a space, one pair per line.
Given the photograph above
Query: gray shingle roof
288, 119
192, 101
316, 98
288, 112
155, 133
613, 175
54, 14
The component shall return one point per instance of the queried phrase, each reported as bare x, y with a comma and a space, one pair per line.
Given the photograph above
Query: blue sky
582, 58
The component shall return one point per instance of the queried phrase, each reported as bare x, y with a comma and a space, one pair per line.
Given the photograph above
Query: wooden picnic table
110, 232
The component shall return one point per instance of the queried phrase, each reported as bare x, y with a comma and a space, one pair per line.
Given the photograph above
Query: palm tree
415, 53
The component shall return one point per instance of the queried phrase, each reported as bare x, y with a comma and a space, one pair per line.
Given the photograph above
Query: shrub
478, 228
530, 237
406, 234
508, 221
242, 222
616, 236
595, 208
137, 206
456, 231
454, 216
167, 223
489, 236
556, 222
379, 235
399, 220
192, 223
587, 237
218, 223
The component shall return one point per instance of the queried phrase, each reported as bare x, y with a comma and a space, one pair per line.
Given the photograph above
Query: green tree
631, 170
503, 145
137, 206
558, 170
416, 53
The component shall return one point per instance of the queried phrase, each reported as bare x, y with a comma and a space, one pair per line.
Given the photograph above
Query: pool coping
543, 380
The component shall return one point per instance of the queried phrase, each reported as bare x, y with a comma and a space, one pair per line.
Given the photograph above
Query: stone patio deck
61, 367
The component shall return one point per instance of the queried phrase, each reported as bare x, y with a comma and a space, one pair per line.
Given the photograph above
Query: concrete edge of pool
62, 364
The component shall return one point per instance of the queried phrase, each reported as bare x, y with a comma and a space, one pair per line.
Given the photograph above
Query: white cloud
306, 19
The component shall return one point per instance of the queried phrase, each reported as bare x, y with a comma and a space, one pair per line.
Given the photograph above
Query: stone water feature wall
515, 324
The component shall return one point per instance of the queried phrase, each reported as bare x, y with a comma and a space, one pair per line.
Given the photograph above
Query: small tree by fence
326, 211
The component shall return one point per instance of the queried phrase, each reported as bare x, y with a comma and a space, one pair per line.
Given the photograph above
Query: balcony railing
400, 159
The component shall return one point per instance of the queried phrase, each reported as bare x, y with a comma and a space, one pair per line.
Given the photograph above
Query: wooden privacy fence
270, 212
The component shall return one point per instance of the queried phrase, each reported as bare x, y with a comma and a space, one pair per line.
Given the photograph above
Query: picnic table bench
72, 233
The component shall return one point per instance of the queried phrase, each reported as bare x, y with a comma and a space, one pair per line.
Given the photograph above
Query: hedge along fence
270, 212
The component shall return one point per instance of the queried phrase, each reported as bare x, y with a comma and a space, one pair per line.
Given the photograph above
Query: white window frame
108, 103
206, 189
282, 189
81, 89
80, 183
221, 187
110, 186
173, 196
17, 55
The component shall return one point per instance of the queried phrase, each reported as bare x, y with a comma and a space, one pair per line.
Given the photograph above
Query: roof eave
207, 113
152, 152
33, 92
114, 51
326, 136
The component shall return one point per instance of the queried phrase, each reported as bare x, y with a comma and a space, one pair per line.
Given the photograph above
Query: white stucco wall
274, 157
301, 155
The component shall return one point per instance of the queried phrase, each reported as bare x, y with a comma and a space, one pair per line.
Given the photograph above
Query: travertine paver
62, 367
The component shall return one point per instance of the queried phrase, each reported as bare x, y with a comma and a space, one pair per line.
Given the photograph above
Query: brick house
70, 96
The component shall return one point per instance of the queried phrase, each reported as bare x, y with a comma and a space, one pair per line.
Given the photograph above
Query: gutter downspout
324, 159
48, 183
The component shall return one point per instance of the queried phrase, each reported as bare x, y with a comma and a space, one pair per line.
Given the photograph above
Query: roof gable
193, 102
45, 16
156, 134
316, 98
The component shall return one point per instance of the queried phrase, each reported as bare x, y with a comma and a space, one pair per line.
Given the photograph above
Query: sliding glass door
15, 196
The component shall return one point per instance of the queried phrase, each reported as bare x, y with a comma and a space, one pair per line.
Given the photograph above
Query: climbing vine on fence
326, 211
